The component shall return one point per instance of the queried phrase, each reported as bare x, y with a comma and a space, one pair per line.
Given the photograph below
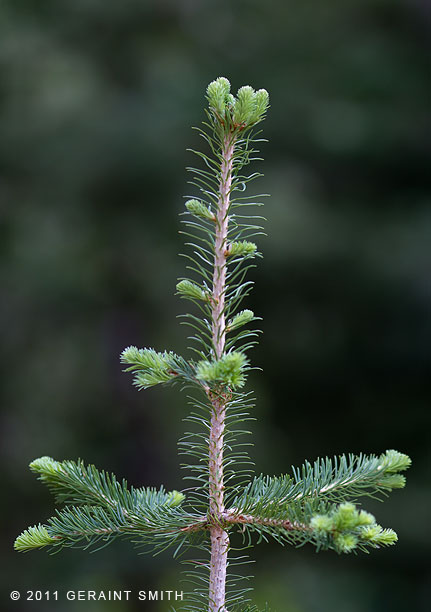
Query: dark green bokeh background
97, 100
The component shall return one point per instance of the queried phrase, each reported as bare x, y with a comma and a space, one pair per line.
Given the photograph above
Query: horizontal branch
232, 517
328, 480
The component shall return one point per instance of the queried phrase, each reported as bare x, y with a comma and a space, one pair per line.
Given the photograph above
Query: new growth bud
394, 461
345, 542
244, 111
242, 318
33, 537
45, 465
175, 498
218, 96
243, 247
198, 209
150, 367
393, 481
346, 516
229, 370
322, 523
245, 105
345, 528
191, 290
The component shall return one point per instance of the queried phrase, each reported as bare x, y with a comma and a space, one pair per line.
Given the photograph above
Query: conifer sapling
314, 504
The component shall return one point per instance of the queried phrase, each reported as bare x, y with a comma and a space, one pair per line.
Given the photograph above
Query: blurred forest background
97, 100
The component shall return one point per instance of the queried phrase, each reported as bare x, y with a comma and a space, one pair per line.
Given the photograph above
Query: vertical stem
219, 537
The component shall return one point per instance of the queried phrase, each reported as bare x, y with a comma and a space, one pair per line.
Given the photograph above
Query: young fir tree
315, 504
